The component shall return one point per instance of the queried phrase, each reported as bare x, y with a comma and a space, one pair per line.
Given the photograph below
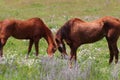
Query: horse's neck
49, 37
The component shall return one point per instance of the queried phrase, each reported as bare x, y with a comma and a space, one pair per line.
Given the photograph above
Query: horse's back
70, 23
24, 29
111, 23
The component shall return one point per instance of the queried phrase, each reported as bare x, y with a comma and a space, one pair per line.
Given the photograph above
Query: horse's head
61, 47
51, 50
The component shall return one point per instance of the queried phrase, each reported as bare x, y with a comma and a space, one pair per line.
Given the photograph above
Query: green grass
92, 58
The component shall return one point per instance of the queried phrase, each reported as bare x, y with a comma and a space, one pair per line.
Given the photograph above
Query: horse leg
2, 43
112, 44
73, 56
30, 47
116, 52
111, 52
36, 41
1, 51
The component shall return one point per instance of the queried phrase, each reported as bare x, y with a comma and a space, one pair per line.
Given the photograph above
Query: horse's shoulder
74, 21
8, 21
36, 20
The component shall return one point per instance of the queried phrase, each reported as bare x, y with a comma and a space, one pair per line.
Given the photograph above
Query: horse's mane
65, 29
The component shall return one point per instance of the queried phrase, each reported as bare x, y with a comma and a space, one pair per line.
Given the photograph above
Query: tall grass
90, 66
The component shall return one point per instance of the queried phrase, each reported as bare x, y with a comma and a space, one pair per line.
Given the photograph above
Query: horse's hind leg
30, 47
2, 43
1, 52
116, 52
112, 44
111, 53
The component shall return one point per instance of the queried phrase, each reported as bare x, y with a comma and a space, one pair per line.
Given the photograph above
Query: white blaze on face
61, 45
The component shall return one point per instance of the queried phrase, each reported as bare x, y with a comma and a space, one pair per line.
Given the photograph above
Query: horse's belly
93, 36
21, 36
92, 39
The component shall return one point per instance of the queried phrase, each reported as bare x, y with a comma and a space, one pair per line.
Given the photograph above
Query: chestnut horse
32, 29
76, 32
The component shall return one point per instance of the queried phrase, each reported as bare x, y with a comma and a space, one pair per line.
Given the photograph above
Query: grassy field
92, 58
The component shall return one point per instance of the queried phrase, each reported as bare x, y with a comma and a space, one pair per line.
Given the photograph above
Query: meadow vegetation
92, 58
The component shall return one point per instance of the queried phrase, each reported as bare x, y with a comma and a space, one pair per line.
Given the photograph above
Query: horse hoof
26, 57
70, 66
116, 61
37, 57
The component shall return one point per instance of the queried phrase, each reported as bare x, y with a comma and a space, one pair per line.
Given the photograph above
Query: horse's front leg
73, 56
36, 41
30, 47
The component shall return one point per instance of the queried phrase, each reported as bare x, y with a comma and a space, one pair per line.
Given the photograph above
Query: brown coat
76, 32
